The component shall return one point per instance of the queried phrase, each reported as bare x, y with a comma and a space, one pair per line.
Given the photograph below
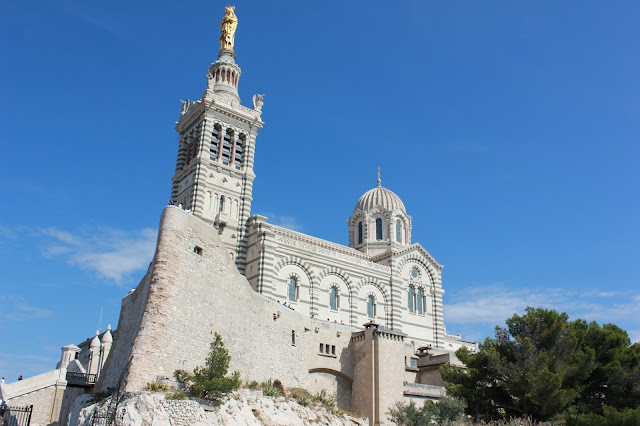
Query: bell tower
217, 136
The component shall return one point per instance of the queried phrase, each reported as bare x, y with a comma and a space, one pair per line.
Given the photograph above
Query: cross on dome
379, 181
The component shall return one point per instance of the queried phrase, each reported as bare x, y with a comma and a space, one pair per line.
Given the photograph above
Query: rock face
243, 407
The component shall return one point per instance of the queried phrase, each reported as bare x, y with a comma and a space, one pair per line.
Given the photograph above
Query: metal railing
81, 379
16, 416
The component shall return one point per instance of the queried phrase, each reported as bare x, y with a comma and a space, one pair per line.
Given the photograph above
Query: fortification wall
188, 296
132, 308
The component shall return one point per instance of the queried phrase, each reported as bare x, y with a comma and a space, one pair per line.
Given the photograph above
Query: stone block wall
44, 392
188, 295
193, 290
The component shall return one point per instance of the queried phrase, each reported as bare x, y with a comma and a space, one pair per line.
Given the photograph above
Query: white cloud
288, 222
16, 309
112, 254
14, 364
475, 311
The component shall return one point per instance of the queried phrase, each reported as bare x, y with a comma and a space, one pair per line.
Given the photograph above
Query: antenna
100, 320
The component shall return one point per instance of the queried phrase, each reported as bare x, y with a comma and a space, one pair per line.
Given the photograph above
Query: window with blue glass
398, 231
378, 229
371, 306
334, 297
293, 288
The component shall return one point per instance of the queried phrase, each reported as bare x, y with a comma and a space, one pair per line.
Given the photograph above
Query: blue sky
509, 129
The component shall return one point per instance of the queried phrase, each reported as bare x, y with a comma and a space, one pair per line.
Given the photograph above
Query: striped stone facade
276, 254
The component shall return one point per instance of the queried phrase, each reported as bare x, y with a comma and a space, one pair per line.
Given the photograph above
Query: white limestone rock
243, 408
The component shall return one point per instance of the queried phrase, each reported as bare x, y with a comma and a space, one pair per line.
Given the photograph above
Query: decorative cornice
221, 105
418, 247
325, 247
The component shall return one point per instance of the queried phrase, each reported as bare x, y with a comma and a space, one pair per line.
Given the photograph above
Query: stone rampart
193, 290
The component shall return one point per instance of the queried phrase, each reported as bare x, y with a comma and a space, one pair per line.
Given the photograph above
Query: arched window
360, 233
227, 146
293, 289
420, 300
215, 142
412, 295
398, 231
221, 205
371, 306
334, 299
240, 148
378, 229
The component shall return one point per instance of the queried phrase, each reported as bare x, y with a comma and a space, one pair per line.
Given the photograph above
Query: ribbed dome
382, 197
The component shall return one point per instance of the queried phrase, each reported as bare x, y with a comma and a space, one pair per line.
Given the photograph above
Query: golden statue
228, 27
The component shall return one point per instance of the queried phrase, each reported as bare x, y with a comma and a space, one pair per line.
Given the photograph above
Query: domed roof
382, 197
95, 342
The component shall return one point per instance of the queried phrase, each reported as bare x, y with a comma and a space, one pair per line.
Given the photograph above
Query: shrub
182, 377
253, 384
156, 387
300, 395
447, 410
100, 397
324, 398
176, 395
278, 385
270, 389
408, 415
444, 412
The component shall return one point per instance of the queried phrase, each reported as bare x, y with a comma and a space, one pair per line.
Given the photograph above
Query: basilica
363, 322
381, 276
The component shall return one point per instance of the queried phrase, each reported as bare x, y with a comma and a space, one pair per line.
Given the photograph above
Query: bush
447, 410
611, 417
278, 385
270, 389
156, 387
100, 397
176, 395
182, 377
408, 415
253, 385
444, 412
300, 395
211, 381
324, 398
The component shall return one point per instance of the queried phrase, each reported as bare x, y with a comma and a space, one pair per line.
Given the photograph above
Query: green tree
615, 382
535, 366
544, 365
211, 381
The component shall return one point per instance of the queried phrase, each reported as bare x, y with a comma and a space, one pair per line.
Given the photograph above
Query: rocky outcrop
243, 407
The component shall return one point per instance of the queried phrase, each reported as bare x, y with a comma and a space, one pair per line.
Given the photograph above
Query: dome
95, 343
382, 197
